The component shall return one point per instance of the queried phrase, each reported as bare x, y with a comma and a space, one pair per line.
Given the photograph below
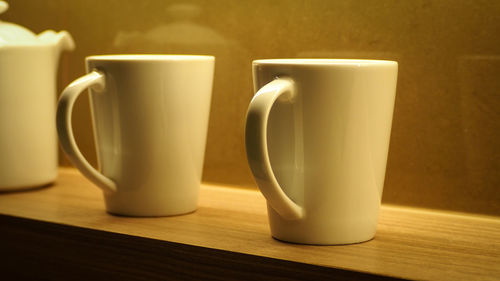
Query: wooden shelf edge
32, 249
65, 228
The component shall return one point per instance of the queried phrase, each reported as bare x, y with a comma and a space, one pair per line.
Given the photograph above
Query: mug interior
150, 57
318, 61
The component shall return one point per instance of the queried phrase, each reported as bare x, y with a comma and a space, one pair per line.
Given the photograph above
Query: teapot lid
11, 33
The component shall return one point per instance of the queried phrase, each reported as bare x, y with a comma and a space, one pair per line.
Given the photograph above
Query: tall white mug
150, 118
317, 139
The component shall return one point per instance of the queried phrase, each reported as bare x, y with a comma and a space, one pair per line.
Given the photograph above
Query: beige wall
445, 141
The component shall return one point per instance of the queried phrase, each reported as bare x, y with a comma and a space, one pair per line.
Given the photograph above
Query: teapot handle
96, 80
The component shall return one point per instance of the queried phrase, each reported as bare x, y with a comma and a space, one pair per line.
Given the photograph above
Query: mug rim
324, 61
150, 57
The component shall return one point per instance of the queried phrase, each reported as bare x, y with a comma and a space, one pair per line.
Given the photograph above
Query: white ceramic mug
317, 139
150, 116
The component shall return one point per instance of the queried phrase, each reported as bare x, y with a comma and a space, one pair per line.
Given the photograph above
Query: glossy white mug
150, 118
317, 140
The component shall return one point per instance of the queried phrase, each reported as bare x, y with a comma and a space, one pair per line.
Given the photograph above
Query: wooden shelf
63, 232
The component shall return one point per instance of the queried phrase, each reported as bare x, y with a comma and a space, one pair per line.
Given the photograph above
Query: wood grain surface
63, 229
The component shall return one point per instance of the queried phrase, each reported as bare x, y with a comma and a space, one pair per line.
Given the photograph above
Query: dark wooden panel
34, 250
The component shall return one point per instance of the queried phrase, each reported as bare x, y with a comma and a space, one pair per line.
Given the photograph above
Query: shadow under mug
150, 117
317, 139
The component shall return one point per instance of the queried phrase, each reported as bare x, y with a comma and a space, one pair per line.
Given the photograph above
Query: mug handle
94, 79
256, 145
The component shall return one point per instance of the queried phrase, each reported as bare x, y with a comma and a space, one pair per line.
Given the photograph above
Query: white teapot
28, 68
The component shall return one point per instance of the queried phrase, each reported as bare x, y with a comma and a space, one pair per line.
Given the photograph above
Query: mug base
124, 213
137, 204
30, 187
324, 243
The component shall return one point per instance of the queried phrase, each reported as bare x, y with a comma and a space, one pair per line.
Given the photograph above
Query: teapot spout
62, 40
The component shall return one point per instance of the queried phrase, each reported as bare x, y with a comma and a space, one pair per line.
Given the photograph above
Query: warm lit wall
445, 141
